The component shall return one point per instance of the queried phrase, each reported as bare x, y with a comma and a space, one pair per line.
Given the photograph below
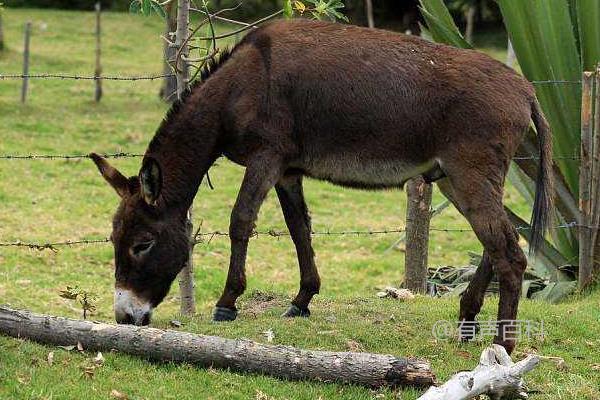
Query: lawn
54, 200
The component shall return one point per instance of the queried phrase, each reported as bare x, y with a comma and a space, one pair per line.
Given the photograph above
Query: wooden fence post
186, 276
26, 62
596, 182
585, 223
98, 70
417, 234
369, 11
1, 33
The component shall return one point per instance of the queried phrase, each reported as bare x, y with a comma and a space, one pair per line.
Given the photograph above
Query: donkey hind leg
480, 200
472, 299
261, 175
291, 197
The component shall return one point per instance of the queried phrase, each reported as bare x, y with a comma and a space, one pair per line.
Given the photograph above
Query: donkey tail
542, 205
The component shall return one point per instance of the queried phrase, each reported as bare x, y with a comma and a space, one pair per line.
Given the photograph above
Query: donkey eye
141, 248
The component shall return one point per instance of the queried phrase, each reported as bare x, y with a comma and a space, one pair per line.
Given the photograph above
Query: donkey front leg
291, 197
261, 175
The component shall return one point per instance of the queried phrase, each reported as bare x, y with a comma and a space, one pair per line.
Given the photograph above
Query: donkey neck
185, 147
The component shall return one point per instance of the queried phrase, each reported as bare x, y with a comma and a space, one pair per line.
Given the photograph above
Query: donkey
358, 107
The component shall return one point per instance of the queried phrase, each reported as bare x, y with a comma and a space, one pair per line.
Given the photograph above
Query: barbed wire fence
200, 237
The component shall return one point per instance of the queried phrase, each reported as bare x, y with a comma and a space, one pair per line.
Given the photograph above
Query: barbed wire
65, 156
62, 76
133, 155
199, 236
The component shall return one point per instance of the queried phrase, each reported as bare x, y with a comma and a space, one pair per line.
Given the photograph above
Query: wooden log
372, 370
585, 236
186, 276
98, 70
417, 234
496, 376
25, 84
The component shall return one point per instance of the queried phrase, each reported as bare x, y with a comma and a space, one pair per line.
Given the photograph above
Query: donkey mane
211, 66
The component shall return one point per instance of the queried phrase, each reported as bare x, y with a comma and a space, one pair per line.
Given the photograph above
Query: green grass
56, 200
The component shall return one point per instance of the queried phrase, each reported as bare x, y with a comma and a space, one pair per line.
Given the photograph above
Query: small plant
86, 299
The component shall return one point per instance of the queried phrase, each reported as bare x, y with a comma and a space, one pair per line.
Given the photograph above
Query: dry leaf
67, 348
353, 345
99, 359
87, 371
50, 358
79, 346
270, 335
395, 293
175, 324
118, 395
561, 365
595, 367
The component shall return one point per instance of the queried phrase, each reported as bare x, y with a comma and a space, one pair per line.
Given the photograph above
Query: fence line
85, 77
119, 77
65, 156
133, 155
199, 236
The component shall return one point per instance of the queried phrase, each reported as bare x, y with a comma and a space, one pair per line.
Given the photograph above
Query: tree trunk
373, 370
417, 234
369, 11
186, 276
470, 17
168, 91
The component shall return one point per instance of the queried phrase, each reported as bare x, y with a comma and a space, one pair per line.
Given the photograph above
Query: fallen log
373, 370
496, 376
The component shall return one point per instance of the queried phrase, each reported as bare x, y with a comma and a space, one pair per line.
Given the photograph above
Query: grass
56, 200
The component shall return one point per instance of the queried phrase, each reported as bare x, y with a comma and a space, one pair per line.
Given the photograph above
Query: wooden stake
417, 234
595, 217
186, 276
585, 245
372, 370
26, 62
1, 33
98, 70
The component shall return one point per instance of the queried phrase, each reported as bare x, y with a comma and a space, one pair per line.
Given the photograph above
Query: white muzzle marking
127, 303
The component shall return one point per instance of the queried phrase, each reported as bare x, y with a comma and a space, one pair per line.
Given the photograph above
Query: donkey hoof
295, 311
467, 330
224, 314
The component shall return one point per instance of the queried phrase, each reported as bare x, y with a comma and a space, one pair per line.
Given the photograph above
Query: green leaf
134, 7
555, 291
545, 45
588, 24
146, 7
288, 11
158, 9
441, 26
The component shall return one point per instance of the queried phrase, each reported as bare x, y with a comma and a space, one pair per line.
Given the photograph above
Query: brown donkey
357, 107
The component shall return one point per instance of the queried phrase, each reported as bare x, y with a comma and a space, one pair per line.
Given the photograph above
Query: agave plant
554, 41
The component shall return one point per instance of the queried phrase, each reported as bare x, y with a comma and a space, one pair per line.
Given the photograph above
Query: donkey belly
354, 172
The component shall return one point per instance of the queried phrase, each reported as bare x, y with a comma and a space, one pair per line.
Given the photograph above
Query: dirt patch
258, 302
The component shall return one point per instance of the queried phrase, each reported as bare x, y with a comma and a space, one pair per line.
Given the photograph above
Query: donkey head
151, 242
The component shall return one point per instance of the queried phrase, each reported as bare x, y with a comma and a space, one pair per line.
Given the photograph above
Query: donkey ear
150, 181
117, 180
